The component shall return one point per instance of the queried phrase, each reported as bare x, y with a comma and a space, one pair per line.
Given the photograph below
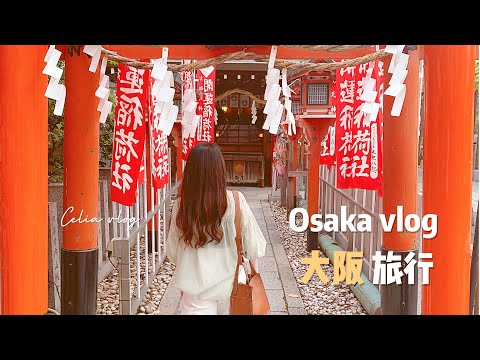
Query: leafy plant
55, 144
55, 139
106, 134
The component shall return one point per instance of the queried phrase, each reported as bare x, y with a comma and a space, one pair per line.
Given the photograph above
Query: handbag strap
238, 240
238, 228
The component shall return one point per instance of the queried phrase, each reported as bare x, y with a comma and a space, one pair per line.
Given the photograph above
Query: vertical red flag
129, 132
160, 168
345, 102
188, 82
206, 85
378, 75
359, 149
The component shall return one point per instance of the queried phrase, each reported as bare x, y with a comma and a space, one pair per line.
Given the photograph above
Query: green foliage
106, 134
55, 141
55, 145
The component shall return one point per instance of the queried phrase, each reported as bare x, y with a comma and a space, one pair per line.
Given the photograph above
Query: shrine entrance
246, 147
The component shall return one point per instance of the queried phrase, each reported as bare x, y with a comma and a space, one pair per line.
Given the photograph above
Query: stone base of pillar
79, 282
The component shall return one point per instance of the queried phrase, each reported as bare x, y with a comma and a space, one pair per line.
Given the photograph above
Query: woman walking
201, 239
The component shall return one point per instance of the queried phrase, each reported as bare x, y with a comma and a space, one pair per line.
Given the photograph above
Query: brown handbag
250, 298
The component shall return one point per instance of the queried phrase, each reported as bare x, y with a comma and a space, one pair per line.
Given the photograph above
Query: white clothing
207, 273
192, 306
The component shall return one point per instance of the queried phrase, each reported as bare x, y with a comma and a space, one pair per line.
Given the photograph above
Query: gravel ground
108, 290
319, 298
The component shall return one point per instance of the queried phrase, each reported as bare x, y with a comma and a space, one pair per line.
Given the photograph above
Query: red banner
188, 82
160, 169
129, 133
345, 97
206, 85
378, 75
358, 139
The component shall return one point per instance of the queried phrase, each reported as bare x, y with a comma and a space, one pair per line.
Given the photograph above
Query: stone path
282, 290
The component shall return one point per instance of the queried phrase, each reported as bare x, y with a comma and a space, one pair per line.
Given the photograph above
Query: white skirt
190, 305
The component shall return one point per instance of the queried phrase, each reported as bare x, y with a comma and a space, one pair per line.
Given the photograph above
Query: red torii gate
24, 186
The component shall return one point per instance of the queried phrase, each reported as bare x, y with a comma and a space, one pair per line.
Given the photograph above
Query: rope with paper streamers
241, 55
242, 92
328, 48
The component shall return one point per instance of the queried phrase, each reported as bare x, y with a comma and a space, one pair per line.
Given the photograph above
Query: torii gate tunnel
447, 175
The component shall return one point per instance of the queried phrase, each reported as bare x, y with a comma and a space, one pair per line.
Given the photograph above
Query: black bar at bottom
312, 240
400, 299
79, 282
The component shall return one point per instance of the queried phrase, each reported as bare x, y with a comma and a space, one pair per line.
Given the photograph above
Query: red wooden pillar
295, 151
24, 181
315, 130
400, 168
80, 187
447, 174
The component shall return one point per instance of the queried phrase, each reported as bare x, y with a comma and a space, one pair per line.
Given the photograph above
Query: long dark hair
203, 196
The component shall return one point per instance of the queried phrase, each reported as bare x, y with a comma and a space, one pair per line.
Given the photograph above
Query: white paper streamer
164, 92
51, 69
60, 103
193, 126
398, 67
273, 108
103, 68
254, 112
171, 117
189, 106
273, 55
369, 95
94, 51
55, 90
287, 92
49, 53
103, 92
107, 107
277, 115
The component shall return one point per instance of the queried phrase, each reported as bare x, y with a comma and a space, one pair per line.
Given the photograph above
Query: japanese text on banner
357, 136
129, 133
206, 86
160, 169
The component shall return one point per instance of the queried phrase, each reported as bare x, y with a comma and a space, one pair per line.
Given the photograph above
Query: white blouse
207, 273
